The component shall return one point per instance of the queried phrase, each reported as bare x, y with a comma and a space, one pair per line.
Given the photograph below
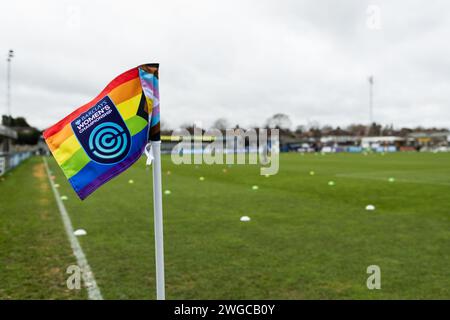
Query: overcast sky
241, 60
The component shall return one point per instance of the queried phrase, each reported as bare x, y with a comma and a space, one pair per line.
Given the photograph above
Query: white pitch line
367, 177
88, 276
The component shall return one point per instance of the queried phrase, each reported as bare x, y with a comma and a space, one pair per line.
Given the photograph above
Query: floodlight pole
371, 99
8, 85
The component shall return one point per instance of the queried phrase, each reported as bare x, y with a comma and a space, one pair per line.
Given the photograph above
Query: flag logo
102, 133
108, 141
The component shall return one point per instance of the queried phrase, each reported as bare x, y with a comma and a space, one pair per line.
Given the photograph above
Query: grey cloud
243, 60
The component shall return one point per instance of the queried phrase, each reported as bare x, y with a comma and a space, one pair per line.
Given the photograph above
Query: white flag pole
158, 217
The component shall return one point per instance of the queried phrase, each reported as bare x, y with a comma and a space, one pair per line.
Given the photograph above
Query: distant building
338, 143
383, 143
7, 136
430, 140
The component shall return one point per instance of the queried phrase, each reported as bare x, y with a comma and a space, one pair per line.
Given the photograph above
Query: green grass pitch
306, 239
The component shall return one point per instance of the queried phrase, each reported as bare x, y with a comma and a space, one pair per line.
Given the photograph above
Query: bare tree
280, 121
300, 129
221, 124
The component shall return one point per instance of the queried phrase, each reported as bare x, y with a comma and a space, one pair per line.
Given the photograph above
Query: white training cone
167, 192
80, 232
255, 188
202, 178
245, 218
131, 181
370, 207
64, 198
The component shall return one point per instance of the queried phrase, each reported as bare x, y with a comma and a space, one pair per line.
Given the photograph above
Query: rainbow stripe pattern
107, 135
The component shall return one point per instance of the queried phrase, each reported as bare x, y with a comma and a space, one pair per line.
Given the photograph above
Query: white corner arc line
87, 275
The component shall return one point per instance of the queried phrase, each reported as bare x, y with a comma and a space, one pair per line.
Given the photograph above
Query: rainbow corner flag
107, 135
